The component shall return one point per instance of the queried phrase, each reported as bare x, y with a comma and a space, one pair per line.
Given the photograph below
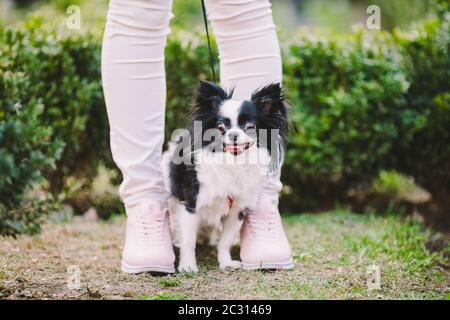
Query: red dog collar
230, 201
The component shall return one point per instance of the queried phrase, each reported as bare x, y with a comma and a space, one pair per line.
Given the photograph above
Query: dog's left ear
269, 99
210, 94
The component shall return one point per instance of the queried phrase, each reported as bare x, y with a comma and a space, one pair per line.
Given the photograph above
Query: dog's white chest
225, 175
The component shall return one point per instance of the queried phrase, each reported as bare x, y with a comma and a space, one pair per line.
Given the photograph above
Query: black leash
211, 57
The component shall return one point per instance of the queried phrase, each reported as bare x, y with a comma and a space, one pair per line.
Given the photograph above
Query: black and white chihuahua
215, 169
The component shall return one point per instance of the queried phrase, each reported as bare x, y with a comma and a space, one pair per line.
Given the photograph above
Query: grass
170, 282
338, 255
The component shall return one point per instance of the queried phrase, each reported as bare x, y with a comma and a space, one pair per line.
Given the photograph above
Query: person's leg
249, 58
134, 84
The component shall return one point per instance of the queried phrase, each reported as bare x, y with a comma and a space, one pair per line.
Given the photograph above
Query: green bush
64, 72
26, 148
348, 108
425, 153
52, 119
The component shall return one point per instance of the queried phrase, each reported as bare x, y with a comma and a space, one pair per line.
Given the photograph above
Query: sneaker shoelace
151, 227
262, 225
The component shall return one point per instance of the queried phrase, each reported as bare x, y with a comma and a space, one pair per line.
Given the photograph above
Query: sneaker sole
160, 269
285, 265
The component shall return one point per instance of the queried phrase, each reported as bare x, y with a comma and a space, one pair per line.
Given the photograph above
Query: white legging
135, 86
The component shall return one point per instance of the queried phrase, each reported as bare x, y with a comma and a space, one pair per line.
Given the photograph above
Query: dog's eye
250, 126
221, 127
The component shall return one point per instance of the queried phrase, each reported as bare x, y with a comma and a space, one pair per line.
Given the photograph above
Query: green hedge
26, 147
426, 153
348, 108
361, 102
64, 74
368, 102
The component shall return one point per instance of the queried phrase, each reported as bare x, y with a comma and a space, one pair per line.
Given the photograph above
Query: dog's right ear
269, 99
210, 94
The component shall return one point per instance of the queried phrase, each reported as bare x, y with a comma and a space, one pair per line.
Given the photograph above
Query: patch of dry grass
333, 252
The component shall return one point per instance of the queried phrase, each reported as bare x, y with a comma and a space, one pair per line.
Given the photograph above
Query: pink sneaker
263, 242
148, 244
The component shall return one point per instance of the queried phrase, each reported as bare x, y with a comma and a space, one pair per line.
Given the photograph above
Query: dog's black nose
233, 136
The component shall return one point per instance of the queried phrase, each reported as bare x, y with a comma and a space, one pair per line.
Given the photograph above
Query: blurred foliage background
338, 15
370, 109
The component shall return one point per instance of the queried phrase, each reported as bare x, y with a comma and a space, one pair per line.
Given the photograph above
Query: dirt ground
338, 256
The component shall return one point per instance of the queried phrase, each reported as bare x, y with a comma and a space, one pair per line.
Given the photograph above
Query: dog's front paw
188, 266
232, 264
